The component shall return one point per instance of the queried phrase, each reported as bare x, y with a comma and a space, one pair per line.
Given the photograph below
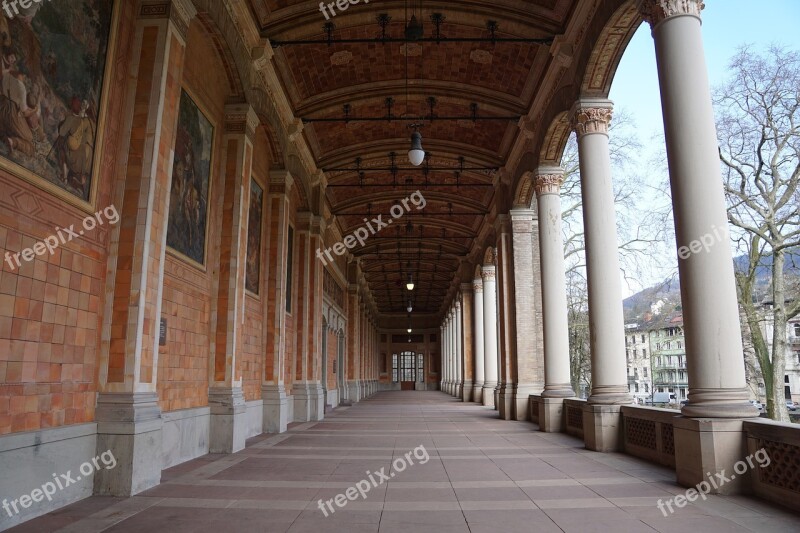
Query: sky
727, 25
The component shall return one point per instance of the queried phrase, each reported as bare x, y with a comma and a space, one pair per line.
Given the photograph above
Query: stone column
477, 321
451, 342
353, 334
228, 424
530, 359
506, 323
128, 413
446, 357
468, 339
554, 299
459, 360
441, 357
591, 119
273, 388
488, 273
717, 388
602, 421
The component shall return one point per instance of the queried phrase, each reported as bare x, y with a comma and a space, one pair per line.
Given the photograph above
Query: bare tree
759, 132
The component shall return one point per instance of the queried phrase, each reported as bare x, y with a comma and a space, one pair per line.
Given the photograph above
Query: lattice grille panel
784, 468
640, 432
575, 417
667, 439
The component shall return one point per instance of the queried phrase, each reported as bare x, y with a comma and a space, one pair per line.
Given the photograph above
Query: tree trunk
776, 400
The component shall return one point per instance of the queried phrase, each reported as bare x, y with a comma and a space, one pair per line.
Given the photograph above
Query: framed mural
191, 175
255, 221
54, 72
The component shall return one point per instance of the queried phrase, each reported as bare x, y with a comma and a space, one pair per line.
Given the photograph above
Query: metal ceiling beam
395, 186
277, 43
311, 120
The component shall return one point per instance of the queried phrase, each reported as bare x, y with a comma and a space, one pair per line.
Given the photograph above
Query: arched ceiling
465, 156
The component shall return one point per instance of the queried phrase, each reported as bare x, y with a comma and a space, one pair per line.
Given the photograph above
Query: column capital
522, 213
311, 223
179, 12
522, 220
488, 273
261, 55
280, 182
591, 115
549, 180
457, 306
477, 285
466, 288
241, 119
654, 12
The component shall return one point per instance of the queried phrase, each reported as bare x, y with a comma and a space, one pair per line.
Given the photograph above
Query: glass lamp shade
416, 155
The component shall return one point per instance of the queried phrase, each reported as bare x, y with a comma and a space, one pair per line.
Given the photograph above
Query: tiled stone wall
50, 307
252, 348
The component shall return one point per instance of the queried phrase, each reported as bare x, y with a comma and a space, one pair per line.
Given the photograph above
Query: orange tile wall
50, 308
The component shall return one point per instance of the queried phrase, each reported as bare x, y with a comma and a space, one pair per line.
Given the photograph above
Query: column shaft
477, 290
554, 285
717, 385
606, 322
468, 341
459, 350
489, 333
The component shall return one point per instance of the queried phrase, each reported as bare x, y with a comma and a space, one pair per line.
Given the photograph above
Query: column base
551, 414
228, 423
467, 392
305, 398
129, 425
610, 395
477, 392
276, 408
707, 446
488, 395
558, 390
317, 394
459, 392
353, 391
602, 427
505, 400
719, 403
521, 401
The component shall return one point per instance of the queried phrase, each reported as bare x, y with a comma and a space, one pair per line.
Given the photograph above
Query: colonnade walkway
467, 471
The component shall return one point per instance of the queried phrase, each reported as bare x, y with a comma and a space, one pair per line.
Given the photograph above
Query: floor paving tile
480, 475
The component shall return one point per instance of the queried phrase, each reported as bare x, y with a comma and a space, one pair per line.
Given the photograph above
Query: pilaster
273, 388
527, 299
128, 414
506, 325
228, 422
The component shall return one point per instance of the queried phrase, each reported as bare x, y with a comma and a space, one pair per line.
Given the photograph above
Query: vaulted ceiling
358, 99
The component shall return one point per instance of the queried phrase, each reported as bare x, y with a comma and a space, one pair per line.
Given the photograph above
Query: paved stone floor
482, 475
